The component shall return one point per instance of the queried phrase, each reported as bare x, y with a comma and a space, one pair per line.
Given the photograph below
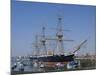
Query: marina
53, 62
83, 64
51, 37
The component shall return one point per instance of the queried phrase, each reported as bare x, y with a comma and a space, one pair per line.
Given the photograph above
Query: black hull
56, 58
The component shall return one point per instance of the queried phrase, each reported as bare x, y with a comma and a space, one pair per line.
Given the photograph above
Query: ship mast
43, 42
59, 35
37, 46
59, 39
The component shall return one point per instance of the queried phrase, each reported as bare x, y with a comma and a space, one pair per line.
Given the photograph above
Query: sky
28, 18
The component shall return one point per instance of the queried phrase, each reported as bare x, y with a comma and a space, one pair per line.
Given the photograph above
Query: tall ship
58, 55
